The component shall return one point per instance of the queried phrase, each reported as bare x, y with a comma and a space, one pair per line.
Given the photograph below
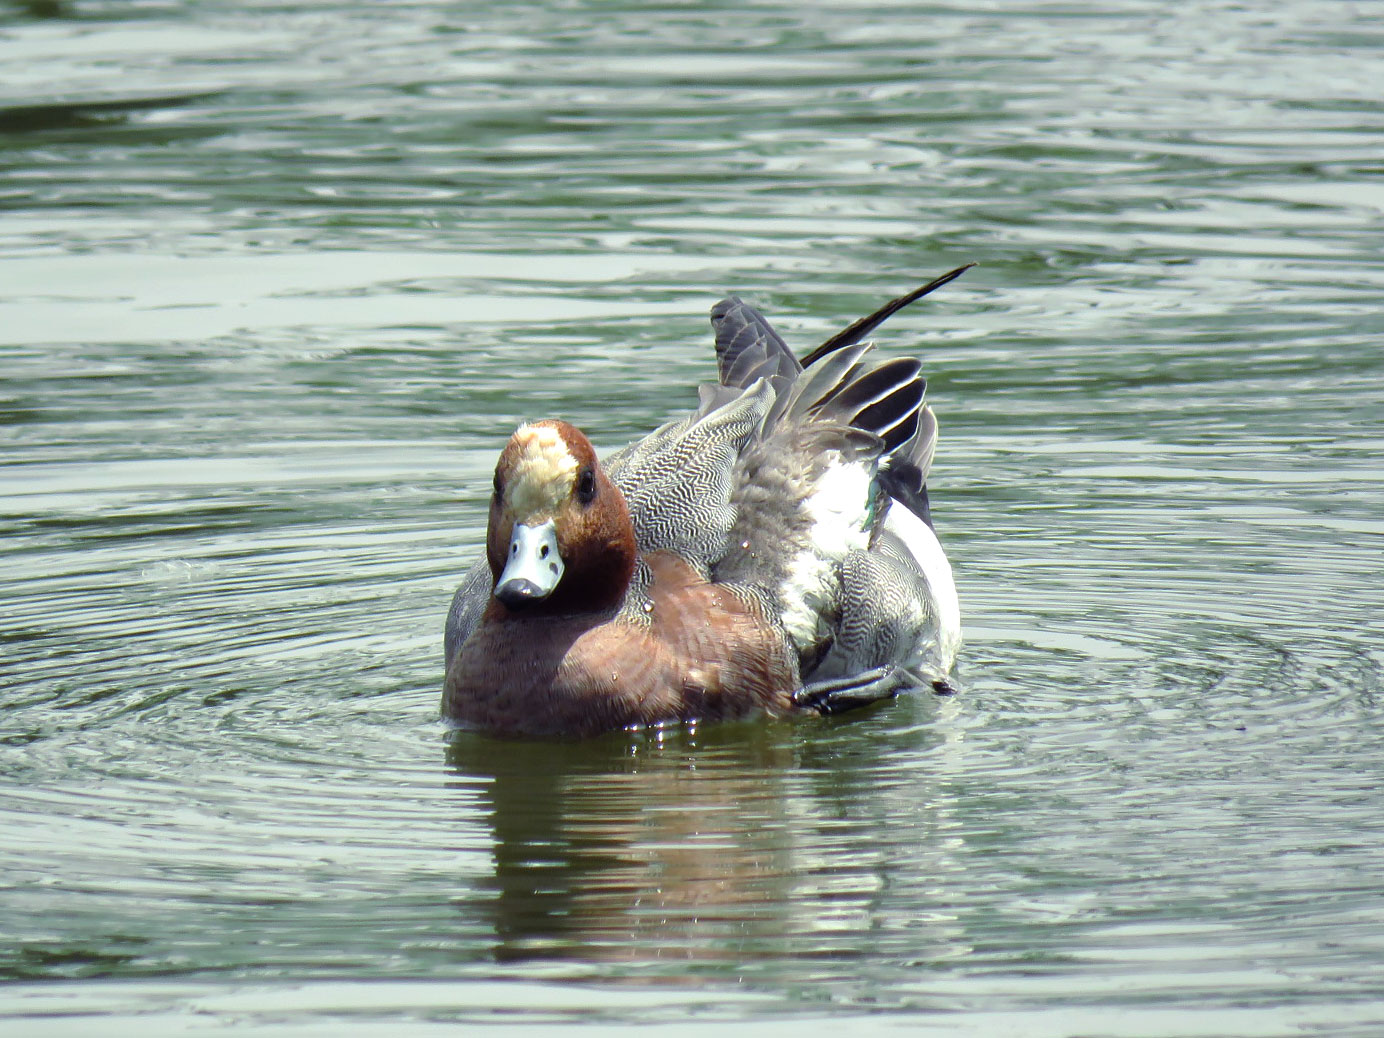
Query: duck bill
534, 566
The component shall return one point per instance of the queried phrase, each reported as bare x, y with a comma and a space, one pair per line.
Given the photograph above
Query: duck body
771, 553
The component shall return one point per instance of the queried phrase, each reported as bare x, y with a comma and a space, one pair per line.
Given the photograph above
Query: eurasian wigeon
771, 553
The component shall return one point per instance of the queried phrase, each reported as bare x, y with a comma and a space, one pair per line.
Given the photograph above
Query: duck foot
837, 695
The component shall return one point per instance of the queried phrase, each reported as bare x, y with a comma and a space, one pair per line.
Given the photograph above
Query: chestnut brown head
560, 538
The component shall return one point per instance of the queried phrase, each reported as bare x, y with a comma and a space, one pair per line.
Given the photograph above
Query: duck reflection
733, 841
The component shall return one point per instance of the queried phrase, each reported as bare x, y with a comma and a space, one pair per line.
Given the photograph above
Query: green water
278, 279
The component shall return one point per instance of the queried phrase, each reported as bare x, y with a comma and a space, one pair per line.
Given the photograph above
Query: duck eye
586, 486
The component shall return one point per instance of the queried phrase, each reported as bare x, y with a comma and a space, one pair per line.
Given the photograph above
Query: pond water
277, 279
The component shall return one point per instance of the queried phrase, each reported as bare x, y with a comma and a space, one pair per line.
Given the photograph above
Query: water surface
278, 279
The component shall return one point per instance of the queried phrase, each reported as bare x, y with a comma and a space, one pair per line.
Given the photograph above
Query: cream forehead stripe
543, 473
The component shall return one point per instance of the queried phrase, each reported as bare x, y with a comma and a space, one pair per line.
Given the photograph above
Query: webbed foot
837, 695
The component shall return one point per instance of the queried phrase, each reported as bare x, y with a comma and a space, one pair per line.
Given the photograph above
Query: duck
771, 553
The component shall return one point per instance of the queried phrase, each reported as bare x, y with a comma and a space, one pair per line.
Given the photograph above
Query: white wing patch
924, 546
838, 509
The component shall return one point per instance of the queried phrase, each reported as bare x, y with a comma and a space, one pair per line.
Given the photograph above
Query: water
277, 280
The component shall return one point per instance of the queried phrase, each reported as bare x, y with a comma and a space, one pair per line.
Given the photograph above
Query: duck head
560, 537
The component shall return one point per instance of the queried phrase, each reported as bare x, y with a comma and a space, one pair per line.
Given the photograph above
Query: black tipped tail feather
835, 384
863, 327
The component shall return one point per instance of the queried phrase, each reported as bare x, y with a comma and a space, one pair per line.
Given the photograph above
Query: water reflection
709, 844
